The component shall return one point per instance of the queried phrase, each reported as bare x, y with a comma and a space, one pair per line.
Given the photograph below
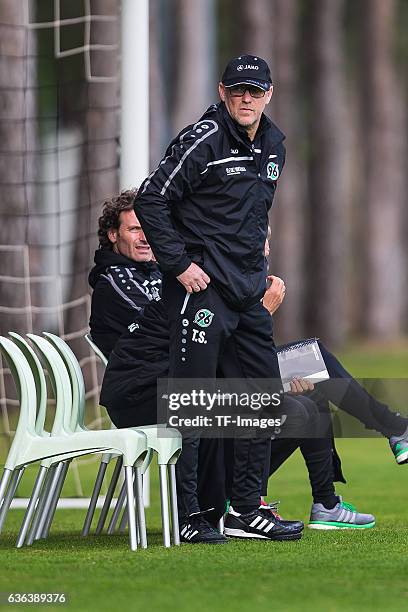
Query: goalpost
59, 150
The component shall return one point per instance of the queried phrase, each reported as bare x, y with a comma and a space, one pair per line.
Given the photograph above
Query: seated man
125, 278
328, 510
319, 453
141, 356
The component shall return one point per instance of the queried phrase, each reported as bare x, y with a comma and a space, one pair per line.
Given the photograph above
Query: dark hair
110, 215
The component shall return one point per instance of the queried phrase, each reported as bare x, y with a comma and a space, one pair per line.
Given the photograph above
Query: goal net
59, 137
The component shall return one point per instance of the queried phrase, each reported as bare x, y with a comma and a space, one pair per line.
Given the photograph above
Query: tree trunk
99, 179
288, 217
259, 29
326, 271
196, 83
18, 261
271, 32
159, 123
385, 160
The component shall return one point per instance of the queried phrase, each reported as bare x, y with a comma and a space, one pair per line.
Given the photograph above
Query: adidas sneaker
197, 530
342, 516
399, 446
259, 524
273, 509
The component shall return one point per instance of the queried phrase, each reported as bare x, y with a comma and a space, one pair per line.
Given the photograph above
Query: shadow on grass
67, 540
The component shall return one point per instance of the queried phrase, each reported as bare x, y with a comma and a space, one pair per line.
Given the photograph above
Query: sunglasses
237, 91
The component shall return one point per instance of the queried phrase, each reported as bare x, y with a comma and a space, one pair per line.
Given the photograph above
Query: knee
298, 417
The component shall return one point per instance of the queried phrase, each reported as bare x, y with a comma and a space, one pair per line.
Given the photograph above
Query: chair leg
140, 507
4, 482
131, 507
94, 498
109, 495
41, 503
164, 505
118, 508
48, 501
173, 504
123, 521
8, 498
42, 472
57, 495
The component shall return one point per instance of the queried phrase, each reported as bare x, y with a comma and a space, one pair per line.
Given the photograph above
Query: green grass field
340, 570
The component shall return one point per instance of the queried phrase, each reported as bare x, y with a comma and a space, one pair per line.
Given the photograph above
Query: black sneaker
273, 509
197, 530
259, 524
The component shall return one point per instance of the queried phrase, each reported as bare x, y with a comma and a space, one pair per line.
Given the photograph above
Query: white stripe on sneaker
342, 515
262, 525
255, 521
269, 527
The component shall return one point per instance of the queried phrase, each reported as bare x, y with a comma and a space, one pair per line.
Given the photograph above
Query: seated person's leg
351, 397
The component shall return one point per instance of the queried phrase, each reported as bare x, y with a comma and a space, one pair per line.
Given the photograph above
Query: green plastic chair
30, 447
78, 418
51, 471
168, 448
105, 460
72, 375
29, 426
48, 466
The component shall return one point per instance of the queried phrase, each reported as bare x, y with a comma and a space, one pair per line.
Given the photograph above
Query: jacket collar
104, 258
266, 128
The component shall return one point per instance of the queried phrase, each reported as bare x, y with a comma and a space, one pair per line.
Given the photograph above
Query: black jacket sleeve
177, 175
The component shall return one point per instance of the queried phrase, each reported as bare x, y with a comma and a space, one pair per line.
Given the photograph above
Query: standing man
205, 214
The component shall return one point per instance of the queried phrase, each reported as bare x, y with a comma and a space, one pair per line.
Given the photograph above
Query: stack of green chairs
54, 450
166, 442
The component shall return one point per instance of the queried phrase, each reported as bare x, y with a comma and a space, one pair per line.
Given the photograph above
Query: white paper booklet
303, 360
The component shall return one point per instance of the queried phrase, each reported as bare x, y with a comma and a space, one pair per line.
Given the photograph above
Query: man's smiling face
129, 239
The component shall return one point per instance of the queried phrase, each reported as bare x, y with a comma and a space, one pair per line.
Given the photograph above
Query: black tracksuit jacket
121, 290
208, 202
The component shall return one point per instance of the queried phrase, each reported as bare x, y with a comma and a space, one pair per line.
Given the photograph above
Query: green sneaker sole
335, 525
402, 456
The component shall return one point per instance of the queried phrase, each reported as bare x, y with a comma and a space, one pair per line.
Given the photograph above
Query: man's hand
275, 295
194, 279
300, 385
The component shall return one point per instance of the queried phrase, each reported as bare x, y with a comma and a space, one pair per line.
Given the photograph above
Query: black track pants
346, 393
319, 453
206, 337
